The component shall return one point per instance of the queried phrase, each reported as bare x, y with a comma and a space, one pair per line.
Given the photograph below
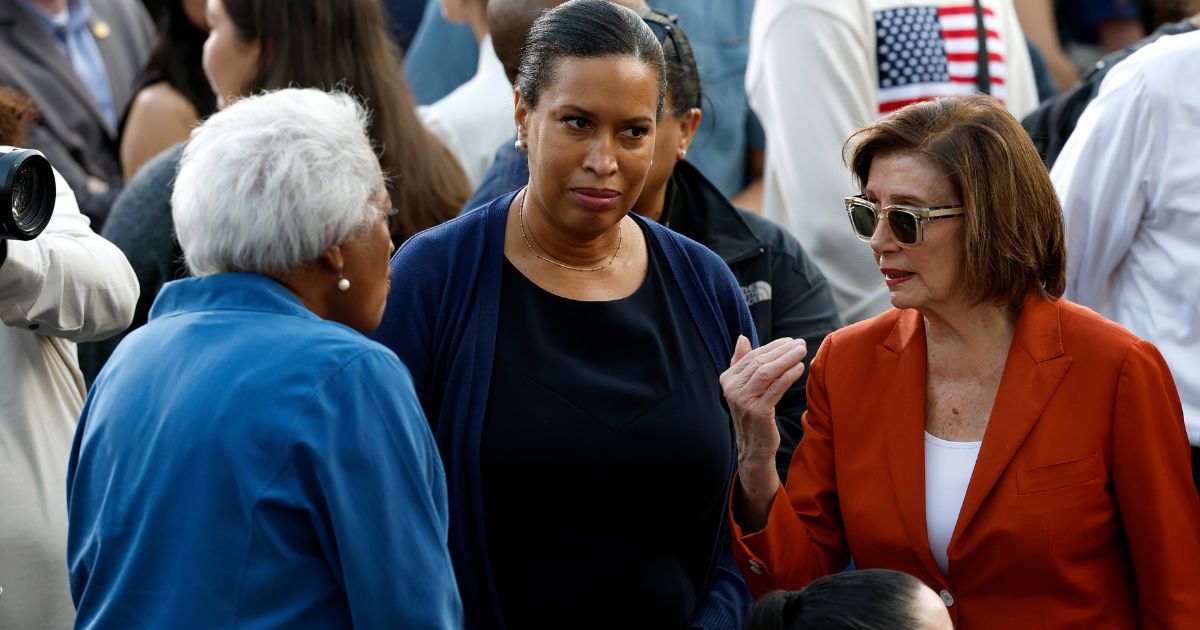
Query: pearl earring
518, 145
343, 284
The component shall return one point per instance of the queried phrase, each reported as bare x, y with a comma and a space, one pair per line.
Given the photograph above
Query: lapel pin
101, 30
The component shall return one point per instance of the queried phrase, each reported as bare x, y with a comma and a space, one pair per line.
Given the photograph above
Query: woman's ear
689, 122
333, 260
520, 115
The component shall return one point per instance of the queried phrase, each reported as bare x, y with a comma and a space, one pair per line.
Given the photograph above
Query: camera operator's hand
68, 282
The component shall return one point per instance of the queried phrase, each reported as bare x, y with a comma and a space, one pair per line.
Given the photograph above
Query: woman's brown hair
344, 43
17, 112
1015, 239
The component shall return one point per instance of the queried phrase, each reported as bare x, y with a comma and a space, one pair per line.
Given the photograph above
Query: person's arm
1151, 478
1037, 20
785, 538
1101, 177
68, 282
751, 197
382, 509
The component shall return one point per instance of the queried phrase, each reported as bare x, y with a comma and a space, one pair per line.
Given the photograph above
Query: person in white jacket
1129, 182
65, 286
819, 70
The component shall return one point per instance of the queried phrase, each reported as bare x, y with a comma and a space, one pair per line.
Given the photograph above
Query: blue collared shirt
74, 34
241, 462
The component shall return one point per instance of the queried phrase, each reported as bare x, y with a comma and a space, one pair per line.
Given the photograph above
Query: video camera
27, 193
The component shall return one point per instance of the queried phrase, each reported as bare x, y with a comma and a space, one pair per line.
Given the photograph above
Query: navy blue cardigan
441, 320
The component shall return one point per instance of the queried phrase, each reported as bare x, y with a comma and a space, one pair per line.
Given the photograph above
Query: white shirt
948, 468
477, 117
65, 286
816, 74
1129, 181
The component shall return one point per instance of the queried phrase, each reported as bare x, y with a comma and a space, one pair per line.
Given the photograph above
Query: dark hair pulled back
683, 75
585, 29
871, 599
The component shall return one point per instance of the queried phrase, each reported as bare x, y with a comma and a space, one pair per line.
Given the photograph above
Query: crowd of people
715, 314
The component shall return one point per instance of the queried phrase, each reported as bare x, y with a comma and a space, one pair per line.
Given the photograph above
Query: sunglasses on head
663, 26
906, 223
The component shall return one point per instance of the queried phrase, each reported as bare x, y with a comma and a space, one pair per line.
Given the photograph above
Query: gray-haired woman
248, 458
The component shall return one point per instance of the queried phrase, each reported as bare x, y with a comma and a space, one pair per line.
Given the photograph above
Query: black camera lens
27, 189
22, 192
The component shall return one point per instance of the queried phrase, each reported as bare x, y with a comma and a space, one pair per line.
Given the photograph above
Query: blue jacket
243, 463
441, 320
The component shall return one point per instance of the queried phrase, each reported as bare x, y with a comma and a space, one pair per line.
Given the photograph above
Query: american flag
924, 52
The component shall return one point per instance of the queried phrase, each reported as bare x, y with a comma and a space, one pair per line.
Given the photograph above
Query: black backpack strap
983, 79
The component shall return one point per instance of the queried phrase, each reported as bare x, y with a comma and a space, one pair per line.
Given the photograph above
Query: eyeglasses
906, 222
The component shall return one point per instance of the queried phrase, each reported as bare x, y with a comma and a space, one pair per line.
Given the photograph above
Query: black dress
604, 457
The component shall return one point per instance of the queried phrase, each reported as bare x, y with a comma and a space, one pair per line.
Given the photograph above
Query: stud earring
518, 144
683, 154
342, 283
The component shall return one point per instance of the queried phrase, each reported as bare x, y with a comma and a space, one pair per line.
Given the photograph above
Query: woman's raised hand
753, 384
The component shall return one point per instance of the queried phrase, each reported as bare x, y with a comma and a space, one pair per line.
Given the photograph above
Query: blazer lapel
1034, 369
902, 367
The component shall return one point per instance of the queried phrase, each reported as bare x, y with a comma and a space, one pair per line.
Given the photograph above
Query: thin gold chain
521, 221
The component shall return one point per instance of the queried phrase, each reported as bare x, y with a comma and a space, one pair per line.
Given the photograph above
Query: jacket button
947, 598
756, 567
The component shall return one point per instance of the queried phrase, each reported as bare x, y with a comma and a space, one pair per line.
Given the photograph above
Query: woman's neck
971, 327
544, 235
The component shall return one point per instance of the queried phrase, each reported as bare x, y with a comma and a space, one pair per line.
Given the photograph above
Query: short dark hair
585, 29
1015, 238
870, 599
683, 76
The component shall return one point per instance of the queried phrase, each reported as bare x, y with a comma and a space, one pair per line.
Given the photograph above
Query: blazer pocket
1056, 476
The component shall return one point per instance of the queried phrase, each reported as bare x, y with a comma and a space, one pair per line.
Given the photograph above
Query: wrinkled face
926, 276
366, 260
590, 141
230, 62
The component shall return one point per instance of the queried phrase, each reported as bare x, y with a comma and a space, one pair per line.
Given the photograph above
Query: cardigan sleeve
804, 537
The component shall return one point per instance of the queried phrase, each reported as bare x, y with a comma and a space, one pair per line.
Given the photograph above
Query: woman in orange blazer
1020, 454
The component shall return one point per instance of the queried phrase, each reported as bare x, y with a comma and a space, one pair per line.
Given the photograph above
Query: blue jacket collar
228, 291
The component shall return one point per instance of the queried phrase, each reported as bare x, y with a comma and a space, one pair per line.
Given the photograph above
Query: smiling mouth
893, 277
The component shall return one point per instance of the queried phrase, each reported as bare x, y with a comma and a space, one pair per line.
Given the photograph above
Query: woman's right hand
753, 384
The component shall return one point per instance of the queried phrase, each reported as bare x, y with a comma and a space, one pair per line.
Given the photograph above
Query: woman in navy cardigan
567, 354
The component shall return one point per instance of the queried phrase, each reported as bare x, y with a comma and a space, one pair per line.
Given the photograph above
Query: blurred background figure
728, 145
79, 60
441, 56
405, 17
870, 599
786, 293
1129, 180
280, 473
1052, 123
348, 48
173, 94
820, 70
477, 116
65, 286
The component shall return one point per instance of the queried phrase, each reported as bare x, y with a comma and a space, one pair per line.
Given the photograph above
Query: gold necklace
521, 221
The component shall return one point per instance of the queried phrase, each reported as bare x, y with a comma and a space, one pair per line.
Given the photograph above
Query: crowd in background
641, 313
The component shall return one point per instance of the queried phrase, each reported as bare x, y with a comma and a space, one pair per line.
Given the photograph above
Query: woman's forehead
617, 85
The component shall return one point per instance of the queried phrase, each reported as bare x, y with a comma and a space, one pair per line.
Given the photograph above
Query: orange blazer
1080, 512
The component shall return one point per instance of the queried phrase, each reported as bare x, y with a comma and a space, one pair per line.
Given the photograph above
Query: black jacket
787, 294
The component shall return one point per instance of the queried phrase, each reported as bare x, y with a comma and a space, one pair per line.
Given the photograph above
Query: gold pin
101, 30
